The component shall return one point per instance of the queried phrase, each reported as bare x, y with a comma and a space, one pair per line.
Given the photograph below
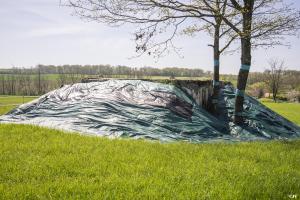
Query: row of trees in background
30, 82
108, 70
43, 78
275, 81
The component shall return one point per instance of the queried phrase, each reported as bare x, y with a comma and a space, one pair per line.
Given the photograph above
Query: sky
36, 32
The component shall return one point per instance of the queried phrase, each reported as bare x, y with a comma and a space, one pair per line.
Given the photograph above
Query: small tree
264, 23
221, 34
275, 76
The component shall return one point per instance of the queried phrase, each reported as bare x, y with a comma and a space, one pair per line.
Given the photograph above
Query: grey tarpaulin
141, 109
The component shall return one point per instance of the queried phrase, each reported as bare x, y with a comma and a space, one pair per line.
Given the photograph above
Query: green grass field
35, 76
7, 103
39, 163
290, 111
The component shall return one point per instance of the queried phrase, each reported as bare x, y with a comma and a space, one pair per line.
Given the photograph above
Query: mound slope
260, 121
140, 109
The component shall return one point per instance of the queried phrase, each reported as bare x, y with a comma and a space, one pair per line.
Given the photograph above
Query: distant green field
33, 76
8, 103
5, 100
38, 163
290, 111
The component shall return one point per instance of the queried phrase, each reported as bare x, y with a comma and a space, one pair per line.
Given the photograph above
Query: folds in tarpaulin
148, 110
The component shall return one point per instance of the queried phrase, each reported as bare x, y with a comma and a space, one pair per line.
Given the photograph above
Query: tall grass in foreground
38, 163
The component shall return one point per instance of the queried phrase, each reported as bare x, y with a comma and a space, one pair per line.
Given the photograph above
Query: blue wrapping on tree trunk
245, 67
216, 83
240, 93
216, 63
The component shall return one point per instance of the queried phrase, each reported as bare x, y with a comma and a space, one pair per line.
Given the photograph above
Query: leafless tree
39, 79
3, 84
27, 84
275, 74
72, 76
61, 75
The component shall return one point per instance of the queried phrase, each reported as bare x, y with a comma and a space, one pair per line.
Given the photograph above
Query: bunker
164, 110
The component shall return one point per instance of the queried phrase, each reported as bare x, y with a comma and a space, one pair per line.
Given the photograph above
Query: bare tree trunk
216, 79
39, 80
275, 76
245, 62
274, 91
242, 79
3, 84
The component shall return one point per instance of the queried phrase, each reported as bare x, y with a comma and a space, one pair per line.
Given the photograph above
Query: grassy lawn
290, 111
38, 163
7, 103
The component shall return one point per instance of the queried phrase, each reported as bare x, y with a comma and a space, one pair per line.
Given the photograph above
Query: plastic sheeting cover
260, 121
121, 108
140, 109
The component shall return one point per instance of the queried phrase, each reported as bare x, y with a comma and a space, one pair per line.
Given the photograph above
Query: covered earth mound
140, 109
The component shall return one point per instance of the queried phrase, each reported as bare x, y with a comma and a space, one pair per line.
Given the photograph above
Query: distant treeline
290, 78
108, 70
287, 84
43, 78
